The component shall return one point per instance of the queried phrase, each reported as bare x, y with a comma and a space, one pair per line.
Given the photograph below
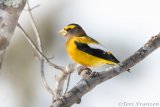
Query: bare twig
35, 7
39, 52
34, 27
40, 48
44, 79
67, 83
85, 85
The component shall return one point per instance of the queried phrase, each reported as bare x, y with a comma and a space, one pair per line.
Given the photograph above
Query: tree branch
60, 79
9, 14
85, 85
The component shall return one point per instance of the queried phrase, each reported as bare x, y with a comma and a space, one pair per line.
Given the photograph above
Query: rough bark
85, 85
10, 11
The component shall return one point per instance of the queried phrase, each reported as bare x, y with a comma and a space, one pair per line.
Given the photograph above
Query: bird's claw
87, 72
84, 70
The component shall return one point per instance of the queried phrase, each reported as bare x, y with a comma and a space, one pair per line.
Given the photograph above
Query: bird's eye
68, 29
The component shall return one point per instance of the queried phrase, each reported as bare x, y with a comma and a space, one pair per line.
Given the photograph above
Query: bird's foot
84, 71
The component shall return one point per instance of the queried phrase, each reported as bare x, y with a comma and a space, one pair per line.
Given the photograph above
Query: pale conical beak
62, 32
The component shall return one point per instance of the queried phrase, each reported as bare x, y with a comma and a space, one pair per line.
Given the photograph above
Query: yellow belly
83, 58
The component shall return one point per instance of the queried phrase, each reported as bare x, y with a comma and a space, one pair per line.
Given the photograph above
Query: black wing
95, 52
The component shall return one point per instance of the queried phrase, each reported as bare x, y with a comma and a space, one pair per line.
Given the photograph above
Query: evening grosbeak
85, 50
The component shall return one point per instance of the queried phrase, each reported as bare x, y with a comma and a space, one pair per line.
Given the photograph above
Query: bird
85, 50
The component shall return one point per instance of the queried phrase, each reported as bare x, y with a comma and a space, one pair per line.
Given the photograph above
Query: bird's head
72, 30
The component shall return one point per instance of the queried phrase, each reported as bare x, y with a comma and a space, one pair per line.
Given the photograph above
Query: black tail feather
112, 58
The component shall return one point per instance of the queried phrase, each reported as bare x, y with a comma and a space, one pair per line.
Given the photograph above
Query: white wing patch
97, 46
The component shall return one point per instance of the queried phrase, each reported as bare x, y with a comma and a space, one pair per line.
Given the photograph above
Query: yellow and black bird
84, 49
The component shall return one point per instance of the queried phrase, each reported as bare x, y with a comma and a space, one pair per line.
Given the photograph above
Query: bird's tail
114, 59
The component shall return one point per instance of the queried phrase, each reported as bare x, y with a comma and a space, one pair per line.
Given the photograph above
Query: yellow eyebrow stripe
69, 27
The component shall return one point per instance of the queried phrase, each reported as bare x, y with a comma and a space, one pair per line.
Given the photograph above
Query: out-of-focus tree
10, 11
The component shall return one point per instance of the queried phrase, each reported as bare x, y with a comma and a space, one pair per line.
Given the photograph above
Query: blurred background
122, 26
